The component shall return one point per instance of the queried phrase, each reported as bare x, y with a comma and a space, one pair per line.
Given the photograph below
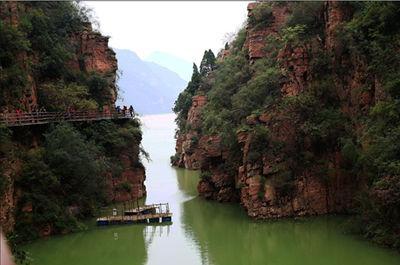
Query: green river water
205, 232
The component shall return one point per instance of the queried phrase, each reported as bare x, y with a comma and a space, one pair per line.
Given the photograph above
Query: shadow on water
105, 246
187, 181
225, 235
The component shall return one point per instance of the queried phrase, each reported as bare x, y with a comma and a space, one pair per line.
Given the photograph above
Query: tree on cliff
184, 101
208, 62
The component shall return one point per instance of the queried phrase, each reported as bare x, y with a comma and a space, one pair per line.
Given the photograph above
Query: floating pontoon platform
154, 213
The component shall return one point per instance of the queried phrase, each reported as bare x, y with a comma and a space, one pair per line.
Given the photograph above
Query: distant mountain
147, 86
180, 66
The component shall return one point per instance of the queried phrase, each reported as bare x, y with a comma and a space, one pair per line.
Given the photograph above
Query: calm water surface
205, 232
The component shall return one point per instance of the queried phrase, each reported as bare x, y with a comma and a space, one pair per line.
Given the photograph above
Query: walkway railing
32, 118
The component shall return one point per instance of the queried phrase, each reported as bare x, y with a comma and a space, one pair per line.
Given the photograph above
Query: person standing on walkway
131, 110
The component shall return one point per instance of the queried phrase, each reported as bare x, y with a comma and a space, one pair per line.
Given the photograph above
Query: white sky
184, 29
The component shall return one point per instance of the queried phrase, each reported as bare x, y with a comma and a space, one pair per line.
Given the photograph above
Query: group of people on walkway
124, 110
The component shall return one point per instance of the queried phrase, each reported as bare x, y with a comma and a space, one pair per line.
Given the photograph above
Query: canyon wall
308, 189
89, 58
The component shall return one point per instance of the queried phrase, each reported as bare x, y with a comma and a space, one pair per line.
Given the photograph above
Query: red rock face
296, 63
253, 184
197, 151
191, 147
194, 152
135, 178
222, 55
336, 12
130, 184
310, 194
219, 187
194, 114
92, 52
256, 38
9, 12
94, 55
349, 85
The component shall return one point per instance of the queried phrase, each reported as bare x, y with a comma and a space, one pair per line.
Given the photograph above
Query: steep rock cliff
72, 57
291, 160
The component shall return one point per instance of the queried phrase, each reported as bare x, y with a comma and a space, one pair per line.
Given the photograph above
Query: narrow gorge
285, 140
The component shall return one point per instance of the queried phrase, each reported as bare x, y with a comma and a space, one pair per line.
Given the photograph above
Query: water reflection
224, 235
187, 181
159, 230
113, 245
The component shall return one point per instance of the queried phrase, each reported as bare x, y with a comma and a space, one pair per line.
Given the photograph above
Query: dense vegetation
366, 137
65, 180
59, 170
39, 47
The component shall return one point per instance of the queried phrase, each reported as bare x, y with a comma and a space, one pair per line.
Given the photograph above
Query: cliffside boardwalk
36, 118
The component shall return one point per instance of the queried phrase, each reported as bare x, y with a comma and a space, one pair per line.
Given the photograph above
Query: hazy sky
184, 29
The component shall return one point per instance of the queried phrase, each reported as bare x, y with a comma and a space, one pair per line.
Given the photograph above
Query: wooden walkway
154, 213
35, 118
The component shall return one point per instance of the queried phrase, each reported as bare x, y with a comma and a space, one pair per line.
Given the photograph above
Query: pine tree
184, 101
207, 63
194, 83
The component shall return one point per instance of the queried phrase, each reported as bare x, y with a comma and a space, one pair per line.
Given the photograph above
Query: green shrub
260, 91
283, 181
124, 186
261, 15
194, 140
6, 152
261, 191
99, 88
205, 175
378, 212
21, 256
61, 96
13, 42
307, 14
3, 182
259, 144
240, 39
174, 159
351, 154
